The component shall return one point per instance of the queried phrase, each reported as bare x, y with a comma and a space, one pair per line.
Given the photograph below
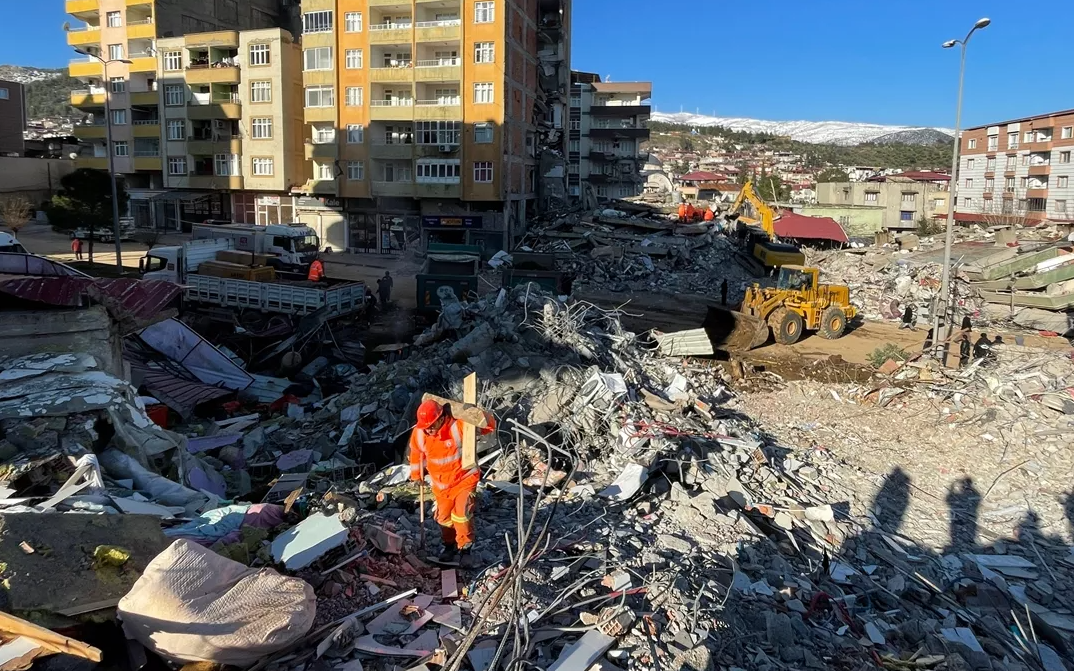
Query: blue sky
845, 60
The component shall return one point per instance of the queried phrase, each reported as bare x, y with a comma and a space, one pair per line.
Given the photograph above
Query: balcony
218, 73
438, 31
141, 30
434, 190
1040, 170
206, 147
88, 98
139, 3
1037, 193
214, 182
82, 6
392, 151
391, 33
320, 187
92, 162
201, 106
393, 4
394, 189
224, 39
438, 110
143, 62
327, 150
320, 114
147, 128
438, 70
85, 67
91, 132
620, 110
391, 110
80, 37
145, 98
148, 163
401, 75
611, 133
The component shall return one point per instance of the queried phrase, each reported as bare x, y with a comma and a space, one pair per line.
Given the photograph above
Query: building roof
801, 227
132, 303
1028, 118
702, 176
623, 87
728, 187
915, 175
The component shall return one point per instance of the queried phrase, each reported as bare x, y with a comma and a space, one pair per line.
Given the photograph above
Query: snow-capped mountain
817, 132
26, 75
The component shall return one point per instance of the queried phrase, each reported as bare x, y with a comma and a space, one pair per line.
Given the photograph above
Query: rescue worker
317, 268
682, 211
690, 212
964, 350
76, 247
384, 288
436, 446
908, 318
983, 347
709, 214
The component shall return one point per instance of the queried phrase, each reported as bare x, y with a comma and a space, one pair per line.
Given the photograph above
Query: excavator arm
766, 214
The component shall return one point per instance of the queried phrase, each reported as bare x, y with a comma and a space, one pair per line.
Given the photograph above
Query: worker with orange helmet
690, 212
709, 214
316, 273
436, 443
682, 211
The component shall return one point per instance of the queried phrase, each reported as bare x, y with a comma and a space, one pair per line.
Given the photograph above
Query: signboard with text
451, 222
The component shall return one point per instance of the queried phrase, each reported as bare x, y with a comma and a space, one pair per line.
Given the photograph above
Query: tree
84, 200
772, 189
743, 172
150, 237
15, 211
928, 227
832, 175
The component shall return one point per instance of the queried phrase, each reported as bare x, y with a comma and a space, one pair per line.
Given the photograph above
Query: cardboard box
236, 271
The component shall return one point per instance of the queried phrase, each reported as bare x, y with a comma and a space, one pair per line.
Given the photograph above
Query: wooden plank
13, 626
468, 413
469, 431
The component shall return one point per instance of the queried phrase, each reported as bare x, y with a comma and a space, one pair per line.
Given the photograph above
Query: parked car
103, 234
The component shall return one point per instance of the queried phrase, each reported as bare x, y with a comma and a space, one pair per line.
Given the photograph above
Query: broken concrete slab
581, 654
384, 540
309, 540
370, 645
627, 484
449, 584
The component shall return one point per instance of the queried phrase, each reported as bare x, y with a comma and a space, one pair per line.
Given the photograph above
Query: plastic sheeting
192, 605
181, 344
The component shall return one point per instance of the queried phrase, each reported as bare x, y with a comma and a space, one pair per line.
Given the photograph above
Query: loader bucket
731, 330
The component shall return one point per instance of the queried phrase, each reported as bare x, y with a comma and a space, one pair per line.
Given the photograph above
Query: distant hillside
48, 92
921, 136
27, 75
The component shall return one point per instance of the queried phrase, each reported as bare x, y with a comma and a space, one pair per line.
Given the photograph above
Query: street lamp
111, 155
940, 317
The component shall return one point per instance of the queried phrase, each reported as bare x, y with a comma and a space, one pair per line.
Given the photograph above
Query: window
576, 124
483, 133
176, 129
1064, 181
319, 58
323, 171
173, 95
485, 52
576, 101
119, 117
317, 22
115, 19
354, 59
439, 132
1025, 160
912, 197
115, 51
969, 164
402, 134
120, 149
354, 96
173, 61
226, 165
438, 171
352, 22
1008, 185
990, 183
968, 202
483, 93
993, 142
355, 170
872, 196
177, 165
264, 167
972, 143
117, 84
990, 165
1028, 136
969, 185
1061, 206
259, 54
355, 133
261, 128
484, 12
906, 216
1012, 140
1066, 133
1012, 161
574, 146
483, 172
1023, 182
324, 133
261, 91
937, 203
320, 96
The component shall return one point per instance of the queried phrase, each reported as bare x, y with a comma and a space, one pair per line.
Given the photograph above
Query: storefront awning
180, 196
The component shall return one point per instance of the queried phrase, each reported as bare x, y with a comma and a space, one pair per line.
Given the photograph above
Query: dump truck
291, 247
455, 266
180, 264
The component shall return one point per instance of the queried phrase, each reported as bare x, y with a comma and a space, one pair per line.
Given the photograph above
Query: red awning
801, 227
136, 303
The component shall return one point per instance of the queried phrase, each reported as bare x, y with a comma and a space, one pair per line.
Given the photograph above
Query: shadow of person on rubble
963, 508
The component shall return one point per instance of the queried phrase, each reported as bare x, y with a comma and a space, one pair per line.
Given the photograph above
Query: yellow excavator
760, 229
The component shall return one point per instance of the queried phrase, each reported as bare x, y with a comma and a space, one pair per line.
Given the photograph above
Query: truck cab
160, 263
292, 245
9, 244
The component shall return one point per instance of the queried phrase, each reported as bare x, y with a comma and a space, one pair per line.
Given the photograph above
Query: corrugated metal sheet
179, 394
132, 302
801, 227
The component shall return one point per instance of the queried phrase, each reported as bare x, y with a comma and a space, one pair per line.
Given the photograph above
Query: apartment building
12, 119
1019, 170
608, 124
123, 34
232, 120
432, 118
905, 198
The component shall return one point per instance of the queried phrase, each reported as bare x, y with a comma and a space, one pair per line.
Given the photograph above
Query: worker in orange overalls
682, 211
436, 446
317, 268
690, 212
709, 214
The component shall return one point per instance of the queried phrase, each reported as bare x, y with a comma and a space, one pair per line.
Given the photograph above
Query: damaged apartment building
380, 123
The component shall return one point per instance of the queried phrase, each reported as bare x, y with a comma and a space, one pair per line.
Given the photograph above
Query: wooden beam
467, 412
469, 431
13, 627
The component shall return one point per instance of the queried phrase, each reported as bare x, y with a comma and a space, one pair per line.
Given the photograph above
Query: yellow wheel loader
799, 303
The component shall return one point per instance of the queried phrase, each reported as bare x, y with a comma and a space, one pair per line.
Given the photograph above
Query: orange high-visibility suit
690, 212
709, 215
682, 211
453, 487
316, 271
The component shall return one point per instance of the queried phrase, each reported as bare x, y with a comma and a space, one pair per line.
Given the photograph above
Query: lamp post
940, 323
111, 154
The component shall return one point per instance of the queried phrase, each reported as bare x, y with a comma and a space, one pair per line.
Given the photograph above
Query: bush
889, 351
928, 227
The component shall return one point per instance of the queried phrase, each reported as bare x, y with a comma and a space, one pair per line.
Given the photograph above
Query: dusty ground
41, 239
